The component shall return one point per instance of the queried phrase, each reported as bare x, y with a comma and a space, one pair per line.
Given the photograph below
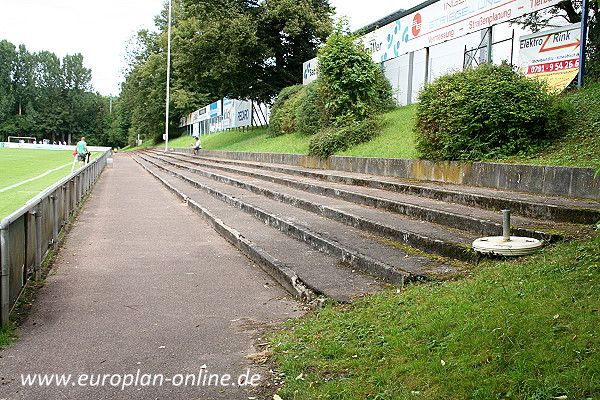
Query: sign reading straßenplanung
551, 55
437, 23
444, 20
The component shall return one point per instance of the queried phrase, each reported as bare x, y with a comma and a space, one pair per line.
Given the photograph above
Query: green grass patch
7, 336
579, 145
397, 140
18, 165
520, 329
255, 140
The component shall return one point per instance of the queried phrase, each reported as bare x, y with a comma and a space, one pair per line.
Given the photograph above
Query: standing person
197, 146
81, 151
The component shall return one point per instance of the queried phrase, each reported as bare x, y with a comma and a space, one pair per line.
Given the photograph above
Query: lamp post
168, 80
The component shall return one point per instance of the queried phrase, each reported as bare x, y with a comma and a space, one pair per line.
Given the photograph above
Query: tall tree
8, 59
247, 49
46, 97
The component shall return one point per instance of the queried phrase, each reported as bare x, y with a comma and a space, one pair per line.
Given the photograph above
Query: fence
27, 235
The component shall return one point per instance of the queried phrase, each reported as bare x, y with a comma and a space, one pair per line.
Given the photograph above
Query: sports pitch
24, 173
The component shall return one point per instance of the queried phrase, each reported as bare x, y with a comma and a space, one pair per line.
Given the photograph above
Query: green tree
292, 32
352, 87
246, 49
46, 97
8, 59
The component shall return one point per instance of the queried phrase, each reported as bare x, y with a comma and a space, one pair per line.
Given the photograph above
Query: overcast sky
100, 29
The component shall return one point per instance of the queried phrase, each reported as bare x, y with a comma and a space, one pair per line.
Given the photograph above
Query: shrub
338, 138
283, 113
310, 116
487, 112
340, 107
352, 85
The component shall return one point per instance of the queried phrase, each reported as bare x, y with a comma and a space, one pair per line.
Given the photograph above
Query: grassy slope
397, 140
522, 329
17, 165
579, 147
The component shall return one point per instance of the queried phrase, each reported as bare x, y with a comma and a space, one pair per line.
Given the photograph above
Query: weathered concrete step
302, 270
477, 221
422, 235
552, 208
355, 247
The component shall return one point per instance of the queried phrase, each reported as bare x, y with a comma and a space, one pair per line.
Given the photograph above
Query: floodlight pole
168, 80
583, 42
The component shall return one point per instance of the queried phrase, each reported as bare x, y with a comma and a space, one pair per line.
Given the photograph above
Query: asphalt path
145, 301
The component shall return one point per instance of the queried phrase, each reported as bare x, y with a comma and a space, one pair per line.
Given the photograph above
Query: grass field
20, 165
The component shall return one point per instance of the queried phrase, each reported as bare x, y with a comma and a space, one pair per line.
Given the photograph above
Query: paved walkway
144, 293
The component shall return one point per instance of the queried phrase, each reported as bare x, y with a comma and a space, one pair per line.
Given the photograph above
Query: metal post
583, 42
5, 274
55, 222
506, 225
512, 47
409, 83
427, 66
75, 192
67, 202
168, 80
38, 242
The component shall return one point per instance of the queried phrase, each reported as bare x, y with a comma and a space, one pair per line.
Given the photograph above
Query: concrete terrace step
456, 216
300, 269
349, 245
552, 208
422, 235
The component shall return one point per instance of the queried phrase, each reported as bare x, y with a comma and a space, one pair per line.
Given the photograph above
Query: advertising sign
243, 114
551, 55
444, 20
228, 113
309, 69
437, 23
198, 116
214, 109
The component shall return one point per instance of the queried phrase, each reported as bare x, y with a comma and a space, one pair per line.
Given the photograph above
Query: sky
100, 29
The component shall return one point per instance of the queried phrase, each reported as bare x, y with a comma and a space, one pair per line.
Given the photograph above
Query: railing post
75, 192
5, 274
55, 221
67, 202
38, 242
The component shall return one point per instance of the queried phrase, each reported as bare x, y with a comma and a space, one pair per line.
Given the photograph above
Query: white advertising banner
215, 109
437, 23
229, 113
444, 20
310, 71
551, 55
243, 114
198, 116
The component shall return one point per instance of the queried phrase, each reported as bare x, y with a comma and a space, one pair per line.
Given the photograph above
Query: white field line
33, 179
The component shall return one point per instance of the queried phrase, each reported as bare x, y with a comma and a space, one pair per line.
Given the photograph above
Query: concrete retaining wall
550, 180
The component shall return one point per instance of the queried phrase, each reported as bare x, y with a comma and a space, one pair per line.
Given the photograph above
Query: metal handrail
70, 191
